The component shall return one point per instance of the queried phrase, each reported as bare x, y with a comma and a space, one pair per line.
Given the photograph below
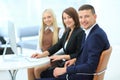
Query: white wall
21, 12
108, 17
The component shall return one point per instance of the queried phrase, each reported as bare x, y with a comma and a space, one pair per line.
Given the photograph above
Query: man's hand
59, 71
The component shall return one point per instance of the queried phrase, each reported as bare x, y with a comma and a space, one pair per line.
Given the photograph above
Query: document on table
35, 59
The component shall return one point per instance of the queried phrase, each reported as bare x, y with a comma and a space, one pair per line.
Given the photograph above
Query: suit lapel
71, 38
84, 40
92, 30
67, 33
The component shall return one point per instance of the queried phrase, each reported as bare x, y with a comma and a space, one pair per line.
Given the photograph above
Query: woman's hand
70, 62
56, 57
39, 55
36, 55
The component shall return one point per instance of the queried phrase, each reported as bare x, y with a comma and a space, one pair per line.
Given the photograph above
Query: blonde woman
48, 36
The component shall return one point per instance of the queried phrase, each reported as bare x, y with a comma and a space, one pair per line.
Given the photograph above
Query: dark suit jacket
87, 62
73, 44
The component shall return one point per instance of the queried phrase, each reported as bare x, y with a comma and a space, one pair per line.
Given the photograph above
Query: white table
13, 65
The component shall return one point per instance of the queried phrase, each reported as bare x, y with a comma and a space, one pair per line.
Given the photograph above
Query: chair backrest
104, 58
28, 31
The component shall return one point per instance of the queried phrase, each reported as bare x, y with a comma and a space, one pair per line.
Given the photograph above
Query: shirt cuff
71, 69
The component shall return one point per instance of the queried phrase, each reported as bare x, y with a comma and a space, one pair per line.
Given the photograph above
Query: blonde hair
55, 28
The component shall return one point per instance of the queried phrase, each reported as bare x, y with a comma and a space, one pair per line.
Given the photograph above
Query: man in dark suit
94, 43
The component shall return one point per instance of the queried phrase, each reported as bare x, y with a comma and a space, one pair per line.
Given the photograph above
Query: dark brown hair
87, 7
73, 14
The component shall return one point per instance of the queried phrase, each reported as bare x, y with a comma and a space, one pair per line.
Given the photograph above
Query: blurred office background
28, 13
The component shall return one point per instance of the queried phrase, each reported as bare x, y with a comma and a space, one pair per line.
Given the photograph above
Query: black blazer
73, 45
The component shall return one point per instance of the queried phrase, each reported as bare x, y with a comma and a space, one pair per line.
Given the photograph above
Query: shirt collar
88, 30
51, 28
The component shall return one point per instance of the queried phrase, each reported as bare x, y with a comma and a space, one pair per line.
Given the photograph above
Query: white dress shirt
88, 31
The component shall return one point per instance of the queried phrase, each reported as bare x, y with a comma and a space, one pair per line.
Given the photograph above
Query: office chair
102, 66
27, 32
